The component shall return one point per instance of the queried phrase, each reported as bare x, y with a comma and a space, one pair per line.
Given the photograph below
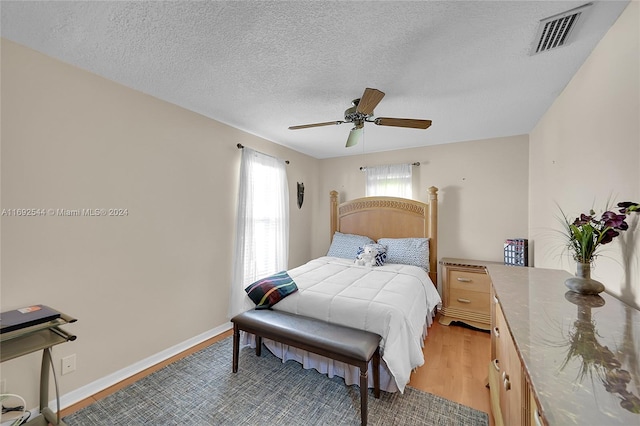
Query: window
394, 180
262, 225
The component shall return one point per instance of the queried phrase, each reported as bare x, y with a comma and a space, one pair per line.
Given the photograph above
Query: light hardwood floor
456, 360
456, 365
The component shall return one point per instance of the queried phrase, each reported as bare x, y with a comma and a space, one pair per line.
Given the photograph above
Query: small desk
31, 339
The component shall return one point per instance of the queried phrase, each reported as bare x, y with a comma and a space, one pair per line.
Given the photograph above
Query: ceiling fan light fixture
354, 136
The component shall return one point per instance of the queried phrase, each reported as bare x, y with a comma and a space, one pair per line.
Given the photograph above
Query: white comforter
392, 300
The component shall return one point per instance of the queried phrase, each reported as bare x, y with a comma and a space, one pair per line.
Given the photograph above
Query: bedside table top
453, 261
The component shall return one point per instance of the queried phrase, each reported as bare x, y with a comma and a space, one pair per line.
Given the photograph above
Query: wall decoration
300, 194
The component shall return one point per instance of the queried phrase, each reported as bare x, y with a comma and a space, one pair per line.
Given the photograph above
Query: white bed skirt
324, 365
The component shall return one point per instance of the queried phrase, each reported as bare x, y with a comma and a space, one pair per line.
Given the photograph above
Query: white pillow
347, 245
408, 251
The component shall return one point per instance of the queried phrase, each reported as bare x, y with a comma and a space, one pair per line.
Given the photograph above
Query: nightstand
466, 292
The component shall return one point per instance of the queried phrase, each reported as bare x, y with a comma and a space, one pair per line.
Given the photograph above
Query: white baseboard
92, 388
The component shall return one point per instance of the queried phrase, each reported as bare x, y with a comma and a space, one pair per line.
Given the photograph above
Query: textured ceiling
263, 66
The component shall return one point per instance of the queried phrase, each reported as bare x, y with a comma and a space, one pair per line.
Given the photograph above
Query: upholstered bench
346, 344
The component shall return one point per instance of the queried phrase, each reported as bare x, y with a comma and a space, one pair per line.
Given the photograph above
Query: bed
395, 300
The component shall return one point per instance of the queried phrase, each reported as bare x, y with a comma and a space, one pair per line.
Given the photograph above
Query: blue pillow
381, 257
270, 290
347, 245
408, 251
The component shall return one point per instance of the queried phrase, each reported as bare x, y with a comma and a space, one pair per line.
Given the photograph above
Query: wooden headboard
390, 217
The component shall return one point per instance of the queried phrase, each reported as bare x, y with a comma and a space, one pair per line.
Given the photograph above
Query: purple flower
609, 235
615, 221
628, 206
582, 220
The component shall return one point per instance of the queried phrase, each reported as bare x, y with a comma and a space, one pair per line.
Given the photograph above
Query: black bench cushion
349, 342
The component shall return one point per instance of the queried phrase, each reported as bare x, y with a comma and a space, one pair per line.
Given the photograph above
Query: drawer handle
464, 280
496, 332
505, 381
464, 300
507, 384
495, 364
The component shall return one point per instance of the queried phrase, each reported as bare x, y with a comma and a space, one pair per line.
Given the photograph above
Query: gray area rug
201, 390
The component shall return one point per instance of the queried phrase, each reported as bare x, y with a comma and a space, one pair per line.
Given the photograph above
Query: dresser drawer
469, 300
471, 281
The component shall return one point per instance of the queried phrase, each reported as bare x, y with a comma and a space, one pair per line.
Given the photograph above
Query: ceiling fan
362, 112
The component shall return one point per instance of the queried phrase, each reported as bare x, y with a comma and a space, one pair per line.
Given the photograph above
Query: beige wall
159, 277
138, 284
482, 192
586, 150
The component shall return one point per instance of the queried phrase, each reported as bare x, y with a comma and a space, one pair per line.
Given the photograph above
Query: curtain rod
417, 163
240, 146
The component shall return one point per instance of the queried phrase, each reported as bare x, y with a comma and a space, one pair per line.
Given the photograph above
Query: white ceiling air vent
557, 30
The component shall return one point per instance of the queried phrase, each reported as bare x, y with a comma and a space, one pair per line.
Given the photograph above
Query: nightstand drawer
470, 281
469, 300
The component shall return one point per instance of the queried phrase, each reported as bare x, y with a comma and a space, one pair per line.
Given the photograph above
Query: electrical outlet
68, 364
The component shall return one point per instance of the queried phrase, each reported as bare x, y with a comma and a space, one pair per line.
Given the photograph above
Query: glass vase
582, 282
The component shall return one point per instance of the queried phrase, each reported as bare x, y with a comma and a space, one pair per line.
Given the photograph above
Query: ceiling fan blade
369, 100
305, 126
354, 136
403, 122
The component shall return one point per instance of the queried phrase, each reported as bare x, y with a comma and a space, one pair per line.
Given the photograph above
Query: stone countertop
581, 353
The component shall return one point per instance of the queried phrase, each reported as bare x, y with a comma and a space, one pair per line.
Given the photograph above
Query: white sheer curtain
391, 180
262, 225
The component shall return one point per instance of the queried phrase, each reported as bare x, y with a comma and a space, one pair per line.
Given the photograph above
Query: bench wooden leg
376, 373
258, 345
364, 384
236, 347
